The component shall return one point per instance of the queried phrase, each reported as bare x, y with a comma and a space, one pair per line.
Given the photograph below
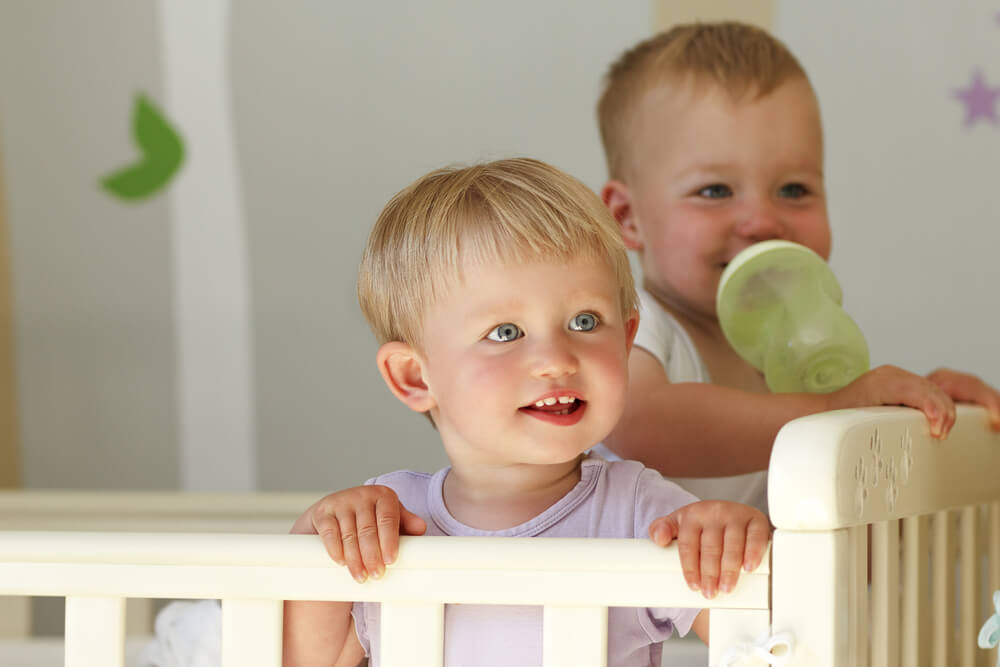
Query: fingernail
725, 587
361, 577
390, 559
693, 586
709, 593
377, 574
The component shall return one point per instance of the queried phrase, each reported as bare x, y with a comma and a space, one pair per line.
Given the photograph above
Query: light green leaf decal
162, 154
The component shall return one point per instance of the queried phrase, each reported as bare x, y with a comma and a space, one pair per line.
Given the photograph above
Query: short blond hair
739, 58
515, 210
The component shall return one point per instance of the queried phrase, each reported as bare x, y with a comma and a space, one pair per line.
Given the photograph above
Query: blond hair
739, 58
516, 210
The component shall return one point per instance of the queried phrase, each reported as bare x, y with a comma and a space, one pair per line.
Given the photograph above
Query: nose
553, 359
760, 221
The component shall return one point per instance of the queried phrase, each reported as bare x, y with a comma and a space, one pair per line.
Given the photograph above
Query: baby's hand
360, 528
889, 385
715, 538
969, 389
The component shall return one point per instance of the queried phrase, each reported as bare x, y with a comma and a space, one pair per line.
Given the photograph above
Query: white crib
831, 477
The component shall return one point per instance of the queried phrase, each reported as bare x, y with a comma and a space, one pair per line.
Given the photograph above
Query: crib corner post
808, 583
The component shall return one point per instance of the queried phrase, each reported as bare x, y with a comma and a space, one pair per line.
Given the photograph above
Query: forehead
490, 284
679, 125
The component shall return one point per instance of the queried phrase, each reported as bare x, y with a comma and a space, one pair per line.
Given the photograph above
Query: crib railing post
412, 634
95, 632
575, 636
251, 633
808, 573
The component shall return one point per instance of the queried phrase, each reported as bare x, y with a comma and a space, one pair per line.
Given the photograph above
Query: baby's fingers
758, 535
387, 518
689, 549
713, 547
370, 528
733, 555
969, 389
351, 539
663, 530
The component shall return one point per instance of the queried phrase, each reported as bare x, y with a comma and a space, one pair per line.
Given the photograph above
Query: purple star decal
980, 100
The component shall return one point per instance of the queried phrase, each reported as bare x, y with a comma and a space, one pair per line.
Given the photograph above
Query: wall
334, 107
149, 356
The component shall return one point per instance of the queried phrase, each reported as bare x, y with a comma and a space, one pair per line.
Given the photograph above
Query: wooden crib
932, 509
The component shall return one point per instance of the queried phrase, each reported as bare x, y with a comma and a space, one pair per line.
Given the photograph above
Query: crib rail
139, 511
574, 579
932, 511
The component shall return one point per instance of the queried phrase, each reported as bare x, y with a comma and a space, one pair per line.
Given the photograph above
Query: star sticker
980, 100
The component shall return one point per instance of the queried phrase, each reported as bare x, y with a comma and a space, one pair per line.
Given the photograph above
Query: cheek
813, 231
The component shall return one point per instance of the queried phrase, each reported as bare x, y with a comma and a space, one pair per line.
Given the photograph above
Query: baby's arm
706, 430
360, 528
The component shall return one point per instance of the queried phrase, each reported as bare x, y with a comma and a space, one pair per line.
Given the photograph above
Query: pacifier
779, 306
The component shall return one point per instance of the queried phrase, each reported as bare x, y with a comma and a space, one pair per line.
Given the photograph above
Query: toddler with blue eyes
502, 297
713, 142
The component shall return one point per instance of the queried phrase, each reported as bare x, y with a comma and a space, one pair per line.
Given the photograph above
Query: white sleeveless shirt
662, 336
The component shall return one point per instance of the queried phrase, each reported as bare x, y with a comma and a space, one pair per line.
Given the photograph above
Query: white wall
912, 191
336, 106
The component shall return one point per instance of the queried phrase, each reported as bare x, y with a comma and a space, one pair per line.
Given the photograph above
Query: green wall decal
162, 154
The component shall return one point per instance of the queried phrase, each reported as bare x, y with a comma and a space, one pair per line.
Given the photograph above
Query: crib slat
257, 619
915, 622
857, 594
95, 632
968, 587
885, 594
943, 592
412, 634
575, 636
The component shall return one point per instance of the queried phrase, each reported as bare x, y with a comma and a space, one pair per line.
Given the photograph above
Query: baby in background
502, 298
713, 142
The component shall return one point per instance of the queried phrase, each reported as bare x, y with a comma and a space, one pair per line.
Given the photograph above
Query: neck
495, 497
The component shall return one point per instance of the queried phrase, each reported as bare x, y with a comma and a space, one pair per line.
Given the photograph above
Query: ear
403, 372
631, 327
618, 198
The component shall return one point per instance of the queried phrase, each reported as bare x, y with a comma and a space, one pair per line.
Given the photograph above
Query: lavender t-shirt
612, 499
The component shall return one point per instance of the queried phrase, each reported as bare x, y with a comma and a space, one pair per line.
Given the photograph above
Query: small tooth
551, 400
565, 399
540, 404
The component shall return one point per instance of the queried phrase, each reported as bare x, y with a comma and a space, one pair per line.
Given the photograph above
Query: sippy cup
778, 304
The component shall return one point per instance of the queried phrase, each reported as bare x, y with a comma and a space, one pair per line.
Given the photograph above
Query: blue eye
715, 191
505, 332
793, 191
584, 322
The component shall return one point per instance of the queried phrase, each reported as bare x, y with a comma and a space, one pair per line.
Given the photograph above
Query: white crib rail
574, 579
138, 511
834, 475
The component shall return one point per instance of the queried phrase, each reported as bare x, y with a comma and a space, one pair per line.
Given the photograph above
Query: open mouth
556, 405
557, 409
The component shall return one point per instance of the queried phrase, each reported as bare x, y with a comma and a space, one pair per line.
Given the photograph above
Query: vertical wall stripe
668, 12
10, 460
209, 254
